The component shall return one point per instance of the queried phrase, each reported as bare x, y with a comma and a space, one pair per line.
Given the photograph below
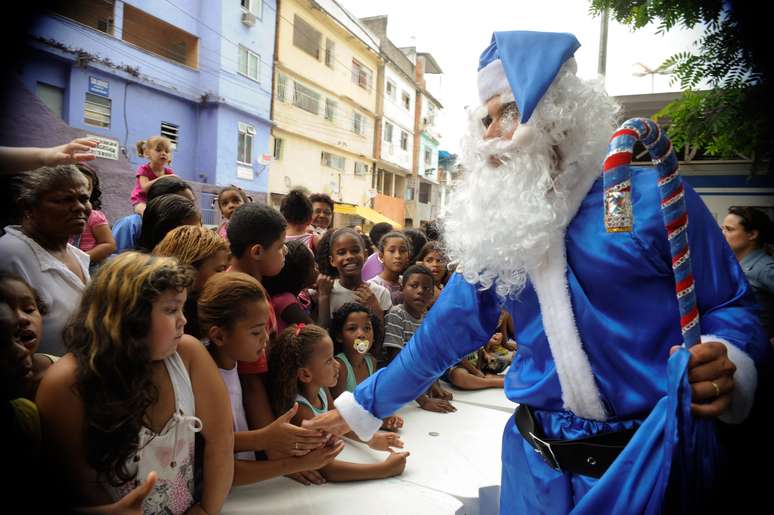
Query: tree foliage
734, 115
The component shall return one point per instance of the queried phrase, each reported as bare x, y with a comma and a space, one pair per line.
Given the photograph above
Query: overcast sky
455, 34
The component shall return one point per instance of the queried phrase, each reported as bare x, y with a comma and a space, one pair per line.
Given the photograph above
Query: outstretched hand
711, 375
289, 439
331, 422
77, 151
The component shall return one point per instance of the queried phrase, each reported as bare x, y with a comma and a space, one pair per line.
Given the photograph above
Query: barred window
305, 37
306, 99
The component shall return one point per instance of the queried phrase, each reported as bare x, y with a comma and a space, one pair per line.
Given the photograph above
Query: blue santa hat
523, 63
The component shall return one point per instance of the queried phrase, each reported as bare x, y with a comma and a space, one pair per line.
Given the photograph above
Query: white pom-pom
524, 136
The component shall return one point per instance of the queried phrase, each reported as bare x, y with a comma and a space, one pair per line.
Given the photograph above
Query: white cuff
363, 423
745, 381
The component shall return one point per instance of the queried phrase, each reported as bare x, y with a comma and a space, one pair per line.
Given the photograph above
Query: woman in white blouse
54, 202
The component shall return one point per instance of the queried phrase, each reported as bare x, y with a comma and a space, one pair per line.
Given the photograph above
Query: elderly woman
54, 202
748, 231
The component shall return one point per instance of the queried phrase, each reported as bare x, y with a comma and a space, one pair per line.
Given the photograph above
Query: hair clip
299, 327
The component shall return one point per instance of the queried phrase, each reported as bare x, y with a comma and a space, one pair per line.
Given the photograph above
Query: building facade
422, 193
394, 144
197, 72
325, 100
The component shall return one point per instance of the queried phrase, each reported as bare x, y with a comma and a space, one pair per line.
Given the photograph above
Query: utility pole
602, 61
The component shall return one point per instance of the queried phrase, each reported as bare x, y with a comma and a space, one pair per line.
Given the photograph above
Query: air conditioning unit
248, 19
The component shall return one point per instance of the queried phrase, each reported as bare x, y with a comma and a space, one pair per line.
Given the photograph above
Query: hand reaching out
383, 441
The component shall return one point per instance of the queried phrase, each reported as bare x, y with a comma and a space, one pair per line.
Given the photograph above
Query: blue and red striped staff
618, 207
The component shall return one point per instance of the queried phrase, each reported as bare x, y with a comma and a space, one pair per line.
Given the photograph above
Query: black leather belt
586, 456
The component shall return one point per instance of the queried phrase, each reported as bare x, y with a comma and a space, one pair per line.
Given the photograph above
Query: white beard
500, 220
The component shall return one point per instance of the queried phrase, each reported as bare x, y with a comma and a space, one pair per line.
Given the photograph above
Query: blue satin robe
623, 297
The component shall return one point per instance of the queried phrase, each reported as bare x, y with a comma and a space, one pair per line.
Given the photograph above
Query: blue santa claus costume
595, 321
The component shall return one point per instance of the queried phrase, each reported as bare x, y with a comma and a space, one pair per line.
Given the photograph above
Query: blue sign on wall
99, 86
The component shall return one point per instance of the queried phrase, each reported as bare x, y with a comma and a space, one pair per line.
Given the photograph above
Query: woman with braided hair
202, 249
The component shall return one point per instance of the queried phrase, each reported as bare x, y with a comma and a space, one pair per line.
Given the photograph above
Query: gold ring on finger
717, 389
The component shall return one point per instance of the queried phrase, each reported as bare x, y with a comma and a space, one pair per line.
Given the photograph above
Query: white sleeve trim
363, 423
745, 381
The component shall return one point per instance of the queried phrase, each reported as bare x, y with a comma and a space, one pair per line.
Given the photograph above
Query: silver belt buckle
544, 449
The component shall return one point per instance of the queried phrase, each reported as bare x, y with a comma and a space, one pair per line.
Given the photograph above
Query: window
282, 83
52, 96
305, 37
388, 132
278, 148
330, 109
404, 140
410, 193
360, 168
96, 110
424, 192
249, 63
171, 132
253, 6
358, 124
406, 99
330, 52
390, 89
361, 75
332, 160
245, 143
306, 99
428, 157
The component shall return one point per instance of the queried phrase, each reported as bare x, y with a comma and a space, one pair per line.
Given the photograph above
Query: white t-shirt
341, 295
57, 286
238, 416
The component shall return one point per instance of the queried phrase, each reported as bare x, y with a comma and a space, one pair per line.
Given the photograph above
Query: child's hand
395, 463
288, 439
366, 297
382, 441
308, 477
130, 504
321, 457
439, 392
392, 423
324, 285
436, 405
494, 341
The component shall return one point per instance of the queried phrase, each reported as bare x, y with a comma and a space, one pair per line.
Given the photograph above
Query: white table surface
453, 455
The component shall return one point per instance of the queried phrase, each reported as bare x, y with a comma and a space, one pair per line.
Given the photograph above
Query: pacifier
361, 345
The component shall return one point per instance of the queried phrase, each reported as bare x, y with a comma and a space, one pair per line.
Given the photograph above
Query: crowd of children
194, 354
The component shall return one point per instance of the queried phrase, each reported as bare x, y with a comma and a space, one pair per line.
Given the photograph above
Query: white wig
499, 219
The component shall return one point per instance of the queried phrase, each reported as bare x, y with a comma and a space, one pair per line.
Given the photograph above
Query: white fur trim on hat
492, 81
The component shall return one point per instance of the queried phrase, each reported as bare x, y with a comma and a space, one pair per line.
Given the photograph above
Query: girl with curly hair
301, 369
132, 392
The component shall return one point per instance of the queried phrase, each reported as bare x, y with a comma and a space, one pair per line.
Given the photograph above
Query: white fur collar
579, 389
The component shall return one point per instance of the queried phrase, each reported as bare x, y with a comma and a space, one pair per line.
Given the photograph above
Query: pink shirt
88, 241
144, 171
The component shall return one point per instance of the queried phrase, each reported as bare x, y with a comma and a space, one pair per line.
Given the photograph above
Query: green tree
732, 117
